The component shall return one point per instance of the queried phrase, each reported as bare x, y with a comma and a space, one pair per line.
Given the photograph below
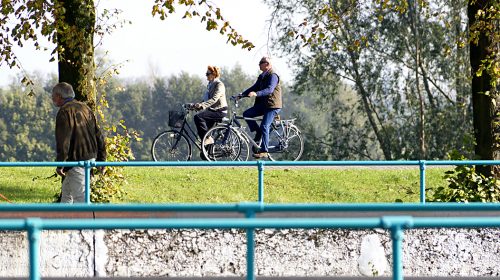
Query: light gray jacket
216, 96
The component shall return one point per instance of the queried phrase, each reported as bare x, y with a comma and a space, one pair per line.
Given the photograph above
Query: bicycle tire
227, 145
171, 145
285, 143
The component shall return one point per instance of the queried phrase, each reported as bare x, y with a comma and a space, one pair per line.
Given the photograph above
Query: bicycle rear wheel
285, 143
227, 145
171, 145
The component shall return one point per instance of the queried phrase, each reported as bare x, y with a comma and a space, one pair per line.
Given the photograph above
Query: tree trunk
75, 20
484, 108
379, 132
413, 9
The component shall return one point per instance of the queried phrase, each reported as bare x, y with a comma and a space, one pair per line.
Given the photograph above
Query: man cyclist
268, 103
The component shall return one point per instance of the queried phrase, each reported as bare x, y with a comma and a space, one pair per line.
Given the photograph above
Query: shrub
466, 185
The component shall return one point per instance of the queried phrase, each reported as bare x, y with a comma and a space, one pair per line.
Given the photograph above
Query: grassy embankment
233, 184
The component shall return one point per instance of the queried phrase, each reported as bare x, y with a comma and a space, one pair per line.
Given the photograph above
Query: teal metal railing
395, 224
422, 164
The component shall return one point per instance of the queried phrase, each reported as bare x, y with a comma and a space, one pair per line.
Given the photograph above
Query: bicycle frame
233, 121
189, 132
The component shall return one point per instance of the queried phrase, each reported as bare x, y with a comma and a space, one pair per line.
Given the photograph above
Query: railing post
33, 226
396, 225
250, 248
88, 166
422, 181
397, 252
260, 165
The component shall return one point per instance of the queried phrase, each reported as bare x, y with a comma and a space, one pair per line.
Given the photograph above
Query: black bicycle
177, 143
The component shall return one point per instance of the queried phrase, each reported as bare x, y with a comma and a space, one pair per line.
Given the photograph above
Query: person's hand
252, 94
197, 106
60, 172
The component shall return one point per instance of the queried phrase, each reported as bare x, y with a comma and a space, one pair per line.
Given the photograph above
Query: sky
152, 46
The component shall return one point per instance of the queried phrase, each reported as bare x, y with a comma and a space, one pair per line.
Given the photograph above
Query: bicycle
177, 143
285, 139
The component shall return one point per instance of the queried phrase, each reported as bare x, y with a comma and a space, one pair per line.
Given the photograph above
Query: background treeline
27, 122
370, 83
333, 126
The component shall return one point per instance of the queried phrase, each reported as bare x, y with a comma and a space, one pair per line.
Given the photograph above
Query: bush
466, 185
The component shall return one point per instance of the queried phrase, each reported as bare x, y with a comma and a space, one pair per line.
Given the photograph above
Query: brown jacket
266, 96
77, 135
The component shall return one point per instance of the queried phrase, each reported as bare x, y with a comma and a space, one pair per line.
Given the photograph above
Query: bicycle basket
175, 118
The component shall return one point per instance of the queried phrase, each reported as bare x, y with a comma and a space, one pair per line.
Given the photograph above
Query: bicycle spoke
286, 143
227, 145
171, 146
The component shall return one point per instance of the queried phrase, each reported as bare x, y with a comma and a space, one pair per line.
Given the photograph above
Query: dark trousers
205, 120
267, 119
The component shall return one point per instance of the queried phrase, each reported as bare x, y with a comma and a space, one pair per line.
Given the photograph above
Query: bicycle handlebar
188, 107
235, 99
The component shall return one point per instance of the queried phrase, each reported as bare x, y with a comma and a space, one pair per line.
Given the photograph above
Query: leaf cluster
465, 184
486, 26
208, 13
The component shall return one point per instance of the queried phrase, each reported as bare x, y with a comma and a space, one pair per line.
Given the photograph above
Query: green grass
235, 184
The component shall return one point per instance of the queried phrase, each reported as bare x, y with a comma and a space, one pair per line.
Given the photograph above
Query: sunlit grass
236, 184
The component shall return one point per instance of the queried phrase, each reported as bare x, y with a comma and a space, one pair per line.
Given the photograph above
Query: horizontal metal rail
422, 164
395, 224
256, 207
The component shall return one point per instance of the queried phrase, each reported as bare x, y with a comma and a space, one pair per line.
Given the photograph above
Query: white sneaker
209, 140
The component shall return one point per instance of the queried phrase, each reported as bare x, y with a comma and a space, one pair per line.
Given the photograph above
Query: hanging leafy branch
487, 23
207, 13
37, 21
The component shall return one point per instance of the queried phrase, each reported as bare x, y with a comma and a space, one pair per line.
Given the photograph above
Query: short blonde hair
215, 70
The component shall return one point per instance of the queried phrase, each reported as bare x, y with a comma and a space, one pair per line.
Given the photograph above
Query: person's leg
65, 190
213, 117
78, 188
265, 127
205, 120
253, 112
73, 186
201, 124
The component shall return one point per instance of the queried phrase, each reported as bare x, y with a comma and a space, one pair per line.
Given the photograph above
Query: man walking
77, 138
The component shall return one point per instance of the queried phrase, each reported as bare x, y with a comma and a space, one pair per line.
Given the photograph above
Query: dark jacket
267, 96
77, 135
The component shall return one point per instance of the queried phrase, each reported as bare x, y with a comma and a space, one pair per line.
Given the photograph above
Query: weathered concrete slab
279, 253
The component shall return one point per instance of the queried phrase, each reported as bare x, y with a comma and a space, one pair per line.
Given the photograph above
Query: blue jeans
268, 117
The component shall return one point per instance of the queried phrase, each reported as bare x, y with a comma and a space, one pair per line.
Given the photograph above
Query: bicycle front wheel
171, 145
227, 145
285, 143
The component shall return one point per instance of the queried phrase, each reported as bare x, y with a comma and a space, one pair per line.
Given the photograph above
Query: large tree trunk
75, 20
484, 107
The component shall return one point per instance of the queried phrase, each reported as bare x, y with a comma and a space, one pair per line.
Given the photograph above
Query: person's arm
269, 88
101, 144
250, 89
63, 136
63, 139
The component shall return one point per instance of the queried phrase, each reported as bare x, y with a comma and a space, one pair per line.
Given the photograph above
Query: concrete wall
427, 252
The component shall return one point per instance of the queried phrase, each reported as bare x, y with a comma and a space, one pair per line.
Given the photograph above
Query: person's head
61, 92
213, 72
265, 64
